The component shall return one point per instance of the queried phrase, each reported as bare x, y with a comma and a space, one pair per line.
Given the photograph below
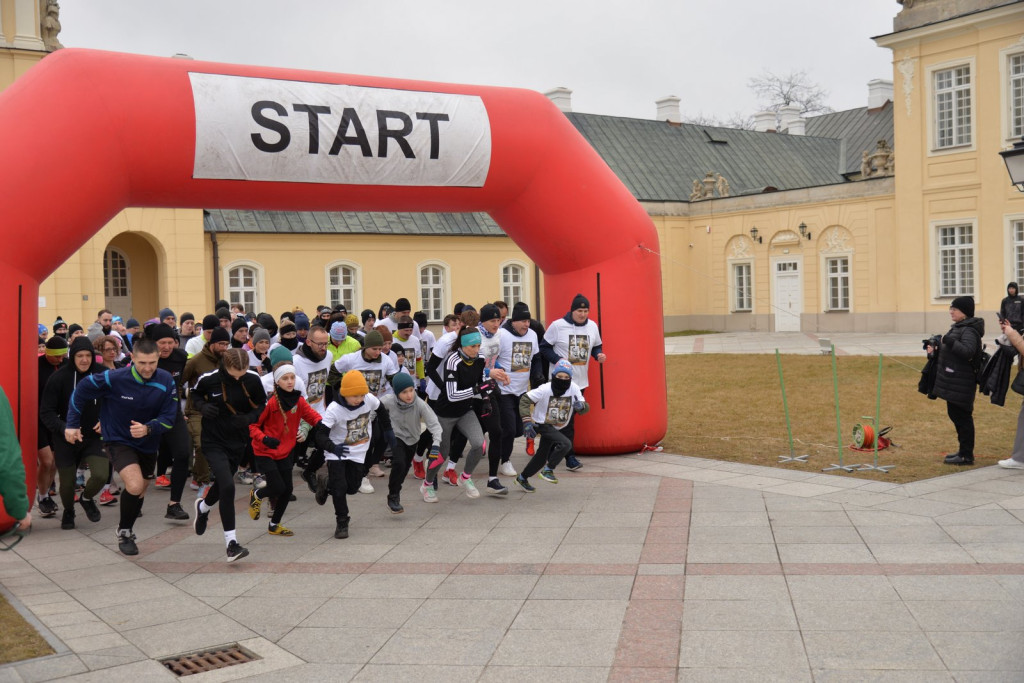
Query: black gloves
271, 443
210, 410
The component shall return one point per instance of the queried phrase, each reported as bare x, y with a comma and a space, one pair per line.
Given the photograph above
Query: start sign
291, 131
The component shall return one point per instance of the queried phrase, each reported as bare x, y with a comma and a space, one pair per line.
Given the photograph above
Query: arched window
513, 283
244, 284
433, 289
115, 273
343, 286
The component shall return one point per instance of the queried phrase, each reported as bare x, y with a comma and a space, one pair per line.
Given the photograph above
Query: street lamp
1014, 158
803, 231
753, 234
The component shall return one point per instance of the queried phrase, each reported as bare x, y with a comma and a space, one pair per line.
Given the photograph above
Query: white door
116, 282
788, 296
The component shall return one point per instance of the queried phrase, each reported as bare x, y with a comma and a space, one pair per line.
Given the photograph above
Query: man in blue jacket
139, 404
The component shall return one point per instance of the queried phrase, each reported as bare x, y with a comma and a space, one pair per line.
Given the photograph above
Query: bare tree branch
775, 91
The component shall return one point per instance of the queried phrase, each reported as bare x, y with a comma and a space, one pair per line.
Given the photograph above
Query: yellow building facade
858, 253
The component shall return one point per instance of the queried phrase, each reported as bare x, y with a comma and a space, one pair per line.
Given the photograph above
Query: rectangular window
512, 284
956, 260
743, 299
242, 287
838, 270
342, 287
432, 292
1016, 92
952, 107
1017, 230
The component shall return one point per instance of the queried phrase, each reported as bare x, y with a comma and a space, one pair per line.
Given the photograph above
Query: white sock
417, 458
229, 536
203, 507
106, 487
451, 466
490, 479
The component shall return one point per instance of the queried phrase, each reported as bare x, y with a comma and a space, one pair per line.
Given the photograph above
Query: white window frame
835, 279
734, 267
1013, 248
524, 284
937, 227
260, 289
106, 273
1006, 78
933, 132
357, 284
446, 284
835, 241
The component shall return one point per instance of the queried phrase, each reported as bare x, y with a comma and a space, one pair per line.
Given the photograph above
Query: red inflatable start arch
86, 134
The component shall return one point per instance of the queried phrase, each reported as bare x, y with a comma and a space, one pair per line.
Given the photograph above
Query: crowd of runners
333, 398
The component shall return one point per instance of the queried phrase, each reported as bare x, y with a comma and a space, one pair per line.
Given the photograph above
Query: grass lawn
729, 407
18, 640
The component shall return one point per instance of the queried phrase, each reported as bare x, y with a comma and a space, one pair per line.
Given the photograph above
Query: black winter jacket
246, 398
53, 408
955, 378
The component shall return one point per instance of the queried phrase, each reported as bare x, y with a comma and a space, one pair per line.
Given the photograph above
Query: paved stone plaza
650, 567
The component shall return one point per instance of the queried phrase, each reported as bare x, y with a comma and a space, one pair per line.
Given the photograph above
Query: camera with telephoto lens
934, 341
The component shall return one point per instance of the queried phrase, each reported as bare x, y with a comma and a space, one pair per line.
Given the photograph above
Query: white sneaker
471, 489
506, 469
366, 487
1011, 464
428, 493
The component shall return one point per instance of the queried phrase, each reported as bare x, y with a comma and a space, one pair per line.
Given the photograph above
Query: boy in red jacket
273, 438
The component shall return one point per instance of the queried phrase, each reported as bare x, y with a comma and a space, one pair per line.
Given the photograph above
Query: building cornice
966, 22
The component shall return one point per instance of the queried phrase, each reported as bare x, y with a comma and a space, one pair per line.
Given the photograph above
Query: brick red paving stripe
592, 569
654, 587
676, 520
646, 647
412, 568
667, 534
749, 569
654, 614
485, 569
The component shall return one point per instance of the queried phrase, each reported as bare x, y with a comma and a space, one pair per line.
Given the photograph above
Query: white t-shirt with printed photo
574, 343
553, 410
515, 359
351, 427
375, 372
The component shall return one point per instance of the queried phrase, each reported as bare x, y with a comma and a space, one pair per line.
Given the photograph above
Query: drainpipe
216, 265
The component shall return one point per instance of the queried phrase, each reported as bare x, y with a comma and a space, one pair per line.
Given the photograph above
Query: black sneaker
67, 520
126, 542
92, 511
47, 508
951, 457
572, 464
321, 489
963, 460
496, 488
175, 512
394, 504
201, 518
292, 498
525, 485
310, 479
236, 552
341, 531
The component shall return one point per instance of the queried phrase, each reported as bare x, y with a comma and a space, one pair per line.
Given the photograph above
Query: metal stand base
878, 468
793, 458
845, 468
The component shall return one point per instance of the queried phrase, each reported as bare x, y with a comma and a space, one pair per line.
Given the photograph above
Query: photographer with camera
955, 374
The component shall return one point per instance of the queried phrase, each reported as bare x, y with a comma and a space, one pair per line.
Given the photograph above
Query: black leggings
401, 459
343, 479
511, 424
492, 425
278, 474
69, 457
554, 445
223, 465
175, 448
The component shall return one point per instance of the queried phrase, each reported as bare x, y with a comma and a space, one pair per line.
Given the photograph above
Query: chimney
879, 92
787, 115
764, 121
668, 109
797, 126
562, 97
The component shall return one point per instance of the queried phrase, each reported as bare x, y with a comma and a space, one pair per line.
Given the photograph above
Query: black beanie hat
238, 324
55, 343
186, 316
223, 314
367, 314
159, 331
286, 327
59, 323
489, 312
82, 344
219, 335
520, 311
458, 308
964, 304
579, 301
210, 321
403, 305
74, 327
132, 322
420, 318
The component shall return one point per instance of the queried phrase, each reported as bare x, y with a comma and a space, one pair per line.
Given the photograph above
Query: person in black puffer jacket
955, 378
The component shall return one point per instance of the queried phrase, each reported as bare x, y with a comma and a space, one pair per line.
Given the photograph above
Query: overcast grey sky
617, 57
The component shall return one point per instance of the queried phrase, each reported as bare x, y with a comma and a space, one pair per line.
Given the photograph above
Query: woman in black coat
955, 377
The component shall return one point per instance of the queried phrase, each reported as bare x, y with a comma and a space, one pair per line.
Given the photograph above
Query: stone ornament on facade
49, 14
906, 69
881, 162
705, 189
785, 237
836, 240
741, 247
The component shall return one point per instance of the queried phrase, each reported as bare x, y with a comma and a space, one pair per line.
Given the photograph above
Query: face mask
290, 344
559, 385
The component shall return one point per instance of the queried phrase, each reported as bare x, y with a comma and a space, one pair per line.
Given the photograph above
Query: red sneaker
162, 482
418, 469
529, 447
451, 477
107, 498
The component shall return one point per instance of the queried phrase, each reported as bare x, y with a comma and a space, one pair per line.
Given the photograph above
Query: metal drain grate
208, 660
